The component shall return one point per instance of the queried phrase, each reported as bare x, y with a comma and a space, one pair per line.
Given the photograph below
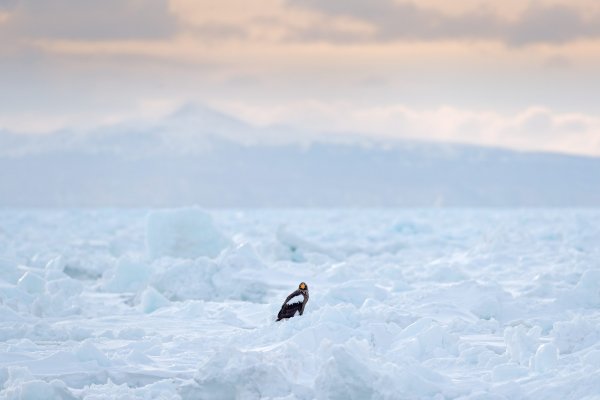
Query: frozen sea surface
404, 304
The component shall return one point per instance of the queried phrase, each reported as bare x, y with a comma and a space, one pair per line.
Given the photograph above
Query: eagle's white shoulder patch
296, 299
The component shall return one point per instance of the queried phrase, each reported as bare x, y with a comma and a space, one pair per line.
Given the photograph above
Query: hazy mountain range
201, 156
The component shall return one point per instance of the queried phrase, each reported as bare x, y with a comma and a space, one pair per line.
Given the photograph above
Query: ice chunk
436, 340
9, 272
137, 357
86, 351
43, 331
55, 268
448, 273
79, 333
7, 314
592, 358
546, 357
242, 256
521, 343
244, 375
129, 276
153, 300
20, 385
298, 246
345, 376
183, 233
31, 282
66, 287
237, 275
60, 297
425, 338
131, 333
356, 292
587, 291
19, 374
185, 279
228, 277
57, 263
352, 372
161, 390
39, 390
574, 335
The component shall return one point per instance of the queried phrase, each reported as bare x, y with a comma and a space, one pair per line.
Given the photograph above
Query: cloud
7, 5
539, 23
532, 129
335, 21
535, 121
219, 31
87, 20
552, 24
557, 62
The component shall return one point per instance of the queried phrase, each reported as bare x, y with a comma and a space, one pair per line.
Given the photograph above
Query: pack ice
405, 304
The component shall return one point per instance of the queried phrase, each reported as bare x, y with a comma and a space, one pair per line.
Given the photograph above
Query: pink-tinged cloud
87, 20
394, 20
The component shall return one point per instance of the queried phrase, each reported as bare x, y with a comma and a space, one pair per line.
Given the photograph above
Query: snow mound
352, 372
183, 233
456, 304
162, 390
508, 372
300, 248
234, 374
40, 293
346, 375
39, 390
356, 292
234, 275
21, 385
423, 339
185, 279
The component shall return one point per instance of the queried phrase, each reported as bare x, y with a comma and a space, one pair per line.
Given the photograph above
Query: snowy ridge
201, 156
463, 304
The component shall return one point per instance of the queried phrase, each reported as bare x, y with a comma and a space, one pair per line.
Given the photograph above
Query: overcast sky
510, 73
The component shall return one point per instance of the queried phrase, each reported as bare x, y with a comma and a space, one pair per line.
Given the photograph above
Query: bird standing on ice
295, 302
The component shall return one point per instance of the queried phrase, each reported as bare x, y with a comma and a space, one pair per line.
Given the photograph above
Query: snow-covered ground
404, 304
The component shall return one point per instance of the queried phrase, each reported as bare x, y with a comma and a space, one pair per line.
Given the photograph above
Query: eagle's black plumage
290, 308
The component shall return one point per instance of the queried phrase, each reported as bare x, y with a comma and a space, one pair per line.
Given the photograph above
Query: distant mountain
201, 156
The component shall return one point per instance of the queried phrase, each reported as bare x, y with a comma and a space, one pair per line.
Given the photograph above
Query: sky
516, 74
